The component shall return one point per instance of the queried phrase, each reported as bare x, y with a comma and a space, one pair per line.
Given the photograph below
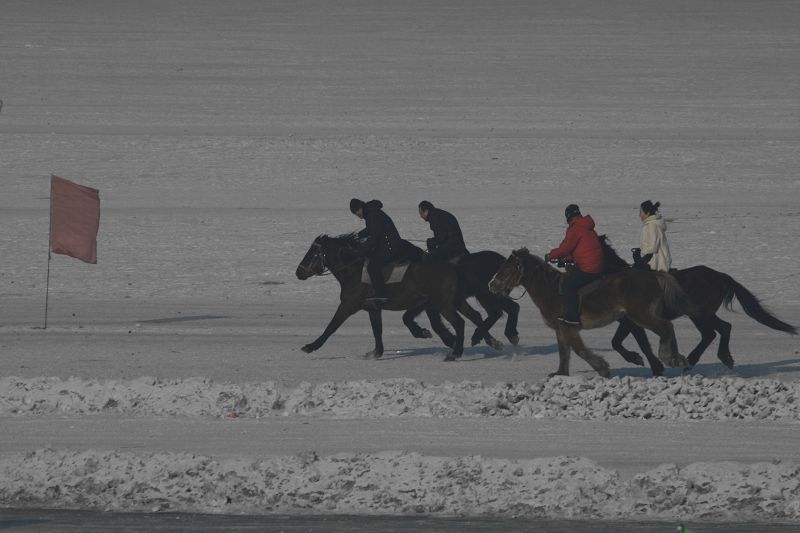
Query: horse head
328, 253
313, 263
510, 273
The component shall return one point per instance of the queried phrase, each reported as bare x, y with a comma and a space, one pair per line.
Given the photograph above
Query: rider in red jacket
582, 246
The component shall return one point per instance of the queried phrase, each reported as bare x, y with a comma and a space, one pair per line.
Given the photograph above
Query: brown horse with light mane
643, 297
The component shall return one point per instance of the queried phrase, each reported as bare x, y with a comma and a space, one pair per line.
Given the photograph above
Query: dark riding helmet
426, 205
355, 205
572, 211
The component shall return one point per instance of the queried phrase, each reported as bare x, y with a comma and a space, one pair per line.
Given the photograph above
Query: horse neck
613, 262
342, 269
540, 280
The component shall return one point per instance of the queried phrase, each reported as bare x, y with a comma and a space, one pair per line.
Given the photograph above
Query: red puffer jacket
581, 245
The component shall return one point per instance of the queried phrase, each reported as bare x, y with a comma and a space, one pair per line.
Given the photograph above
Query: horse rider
653, 253
382, 243
447, 243
581, 245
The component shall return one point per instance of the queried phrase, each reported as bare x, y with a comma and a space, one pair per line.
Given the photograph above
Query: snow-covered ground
224, 136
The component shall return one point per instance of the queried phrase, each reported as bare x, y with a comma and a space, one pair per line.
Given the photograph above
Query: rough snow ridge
396, 483
574, 398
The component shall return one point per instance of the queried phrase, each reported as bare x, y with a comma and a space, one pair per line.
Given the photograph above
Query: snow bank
396, 483
574, 398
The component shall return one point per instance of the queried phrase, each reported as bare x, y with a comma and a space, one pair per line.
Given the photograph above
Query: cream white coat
654, 241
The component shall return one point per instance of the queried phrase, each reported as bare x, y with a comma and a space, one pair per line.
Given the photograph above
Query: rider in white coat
654, 245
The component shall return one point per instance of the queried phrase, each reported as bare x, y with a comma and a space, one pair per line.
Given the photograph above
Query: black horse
475, 272
433, 287
708, 289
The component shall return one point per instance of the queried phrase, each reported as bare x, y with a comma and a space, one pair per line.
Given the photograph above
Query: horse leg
415, 329
376, 321
667, 344
707, 336
563, 355
627, 326
493, 313
724, 350
438, 326
343, 312
623, 330
573, 337
512, 312
656, 366
475, 317
457, 322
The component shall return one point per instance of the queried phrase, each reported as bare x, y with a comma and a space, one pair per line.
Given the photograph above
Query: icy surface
224, 136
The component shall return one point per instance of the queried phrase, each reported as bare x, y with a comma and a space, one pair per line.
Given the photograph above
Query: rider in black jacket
382, 243
447, 242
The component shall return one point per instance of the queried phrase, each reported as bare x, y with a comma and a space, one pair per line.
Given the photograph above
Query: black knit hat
355, 205
571, 211
426, 205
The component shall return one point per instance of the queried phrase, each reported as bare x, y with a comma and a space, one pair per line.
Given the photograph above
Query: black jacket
380, 236
447, 241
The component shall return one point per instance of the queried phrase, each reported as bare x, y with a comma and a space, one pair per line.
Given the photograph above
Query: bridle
505, 281
319, 254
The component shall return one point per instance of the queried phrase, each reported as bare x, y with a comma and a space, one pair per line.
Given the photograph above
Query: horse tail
752, 306
676, 300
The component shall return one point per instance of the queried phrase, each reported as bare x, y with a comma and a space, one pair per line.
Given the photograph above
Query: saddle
394, 272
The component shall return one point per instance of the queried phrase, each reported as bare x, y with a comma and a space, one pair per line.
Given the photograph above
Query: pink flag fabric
74, 219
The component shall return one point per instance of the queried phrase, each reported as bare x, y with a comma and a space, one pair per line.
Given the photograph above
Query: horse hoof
727, 361
557, 373
308, 348
681, 362
426, 334
514, 340
635, 359
450, 357
373, 354
475, 340
496, 344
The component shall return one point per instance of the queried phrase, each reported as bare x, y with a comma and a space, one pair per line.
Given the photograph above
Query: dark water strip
73, 521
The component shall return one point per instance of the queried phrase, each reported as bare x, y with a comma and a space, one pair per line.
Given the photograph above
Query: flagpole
49, 255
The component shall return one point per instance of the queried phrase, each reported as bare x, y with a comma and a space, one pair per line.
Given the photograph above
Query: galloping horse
474, 273
430, 286
708, 289
643, 297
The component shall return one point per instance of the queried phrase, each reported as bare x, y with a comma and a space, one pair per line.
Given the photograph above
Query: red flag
74, 219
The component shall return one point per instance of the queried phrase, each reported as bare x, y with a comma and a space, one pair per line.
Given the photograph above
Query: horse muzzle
302, 273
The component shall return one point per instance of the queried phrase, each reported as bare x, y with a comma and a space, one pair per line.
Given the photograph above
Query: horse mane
350, 240
552, 275
611, 260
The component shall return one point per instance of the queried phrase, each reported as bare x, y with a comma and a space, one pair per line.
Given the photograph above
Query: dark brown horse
475, 271
431, 286
643, 297
708, 289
